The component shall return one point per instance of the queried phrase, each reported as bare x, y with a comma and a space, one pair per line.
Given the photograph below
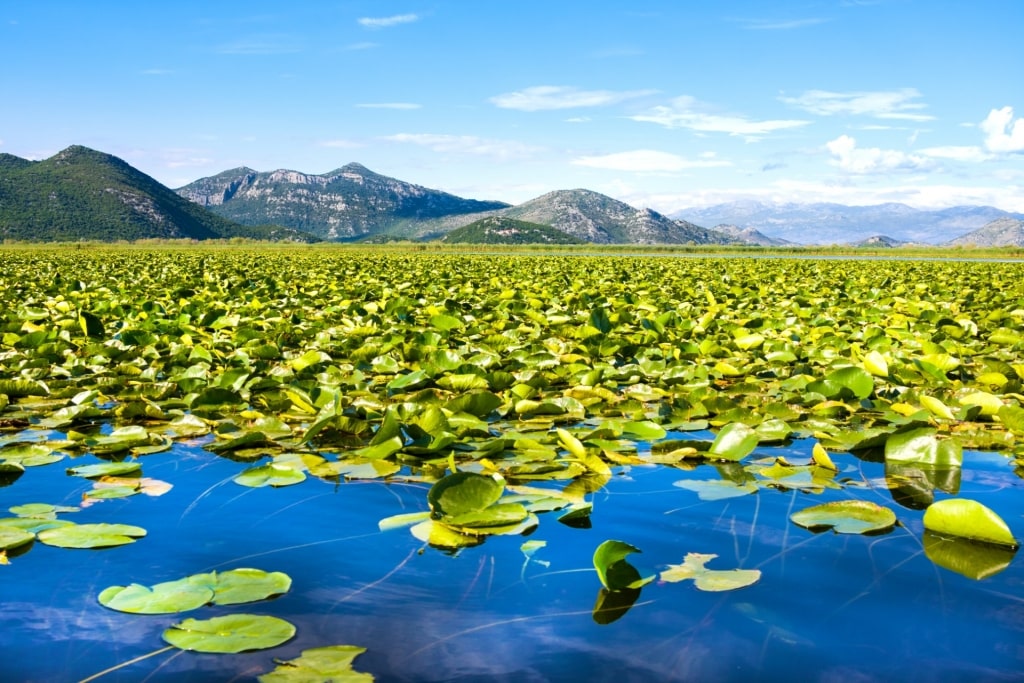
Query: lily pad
11, 537
463, 492
104, 469
968, 519
243, 585
163, 598
923, 448
332, 663
713, 580
91, 535
734, 442
613, 570
271, 474
229, 634
846, 517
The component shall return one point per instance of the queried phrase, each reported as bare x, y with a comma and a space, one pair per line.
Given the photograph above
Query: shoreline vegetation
797, 251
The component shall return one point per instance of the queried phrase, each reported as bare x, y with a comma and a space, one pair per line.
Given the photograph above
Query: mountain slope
347, 203
1002, 232
825, 223
749, 236
82, 194
503, 230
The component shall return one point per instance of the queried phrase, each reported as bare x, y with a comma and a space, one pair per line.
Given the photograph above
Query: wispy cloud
867, 160
882, 104
385, 22
578, 119
466, 144
261, 45
547, 97
687, 112
362, 46
1002, 132
957, 153
646, 161
780, 25
340, 144
389, 105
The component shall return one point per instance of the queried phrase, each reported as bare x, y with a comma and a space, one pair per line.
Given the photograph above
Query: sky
664, 104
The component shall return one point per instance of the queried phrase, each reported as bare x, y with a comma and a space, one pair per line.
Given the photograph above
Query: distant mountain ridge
1002, 232
347, 203
504, 230
82, 194
829, 223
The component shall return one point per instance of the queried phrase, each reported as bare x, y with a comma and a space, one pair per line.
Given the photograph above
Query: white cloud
957, 153
881, 104
847, 156
784, 25
1002, 132
545, 97
685, 112
385, 22
578, 119
645, 161
466, 144
390, 105
340, 144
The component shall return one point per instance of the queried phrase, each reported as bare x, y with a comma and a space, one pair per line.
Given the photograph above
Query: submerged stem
128, 663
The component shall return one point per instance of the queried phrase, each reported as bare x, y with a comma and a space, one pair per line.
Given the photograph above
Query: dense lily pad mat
479, 395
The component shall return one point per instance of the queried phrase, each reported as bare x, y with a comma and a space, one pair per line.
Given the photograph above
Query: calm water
828, 607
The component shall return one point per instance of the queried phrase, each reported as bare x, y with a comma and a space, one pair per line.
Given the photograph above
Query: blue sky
663, 104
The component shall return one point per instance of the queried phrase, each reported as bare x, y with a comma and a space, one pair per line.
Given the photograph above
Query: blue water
827, 608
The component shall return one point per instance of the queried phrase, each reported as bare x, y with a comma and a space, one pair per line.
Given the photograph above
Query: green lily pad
163, 598
91, 535
713, 580
968, 519
238, 586
442, 536
613, 570
229, 634
921, 447
324, 664
734, 442
11, 537
463, 492
357, 469
106, 469
974, 560
271, 474
846, 517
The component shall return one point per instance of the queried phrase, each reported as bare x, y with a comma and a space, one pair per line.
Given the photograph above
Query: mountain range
82, 194
824, 223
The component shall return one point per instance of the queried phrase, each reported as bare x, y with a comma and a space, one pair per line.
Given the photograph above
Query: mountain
82, 194
1002, 232
347, 203
880, 241
749, 236
824, 223
588, 216
503, 230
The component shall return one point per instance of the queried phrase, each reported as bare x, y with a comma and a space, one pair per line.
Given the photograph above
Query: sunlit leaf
613, 570
91, 535
846, 517
325, 664
714, 580
229, 634
965, 518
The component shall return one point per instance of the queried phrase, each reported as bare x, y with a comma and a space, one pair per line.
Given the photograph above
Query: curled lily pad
713, 580
331, 663
846, 517
91, 535
162, 598
968, 519
613, 570
229, 634
734, 442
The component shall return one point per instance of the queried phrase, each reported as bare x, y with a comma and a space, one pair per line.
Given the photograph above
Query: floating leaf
104, 469
921, 447
238, 586
734, 442
162, 598
11, 537
91, 535
968, 519
271, 474
716, 489
846, 517
325, 664
229, 634
442, 536
613, 570
709, 579
463, 492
